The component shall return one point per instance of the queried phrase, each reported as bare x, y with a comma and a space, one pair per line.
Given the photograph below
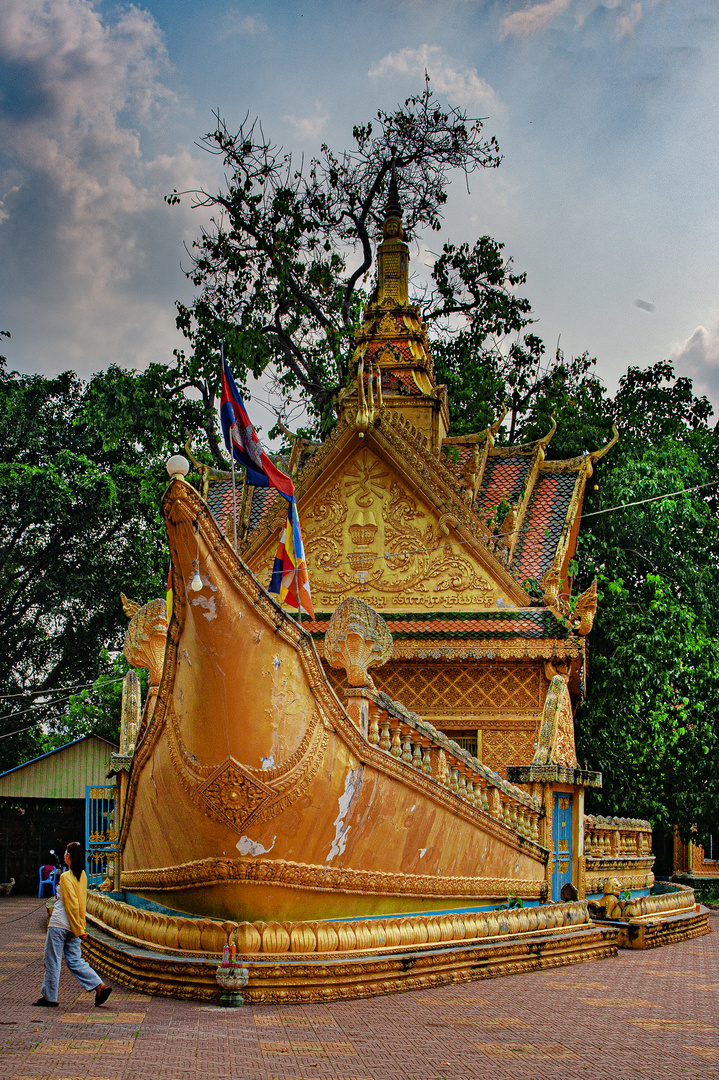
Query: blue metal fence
101, 830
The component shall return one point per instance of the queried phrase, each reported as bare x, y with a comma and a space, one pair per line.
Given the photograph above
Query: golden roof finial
393, 252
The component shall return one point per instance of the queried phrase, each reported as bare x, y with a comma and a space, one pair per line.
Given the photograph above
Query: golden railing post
462, 781
407, 747
396, 748
385, 741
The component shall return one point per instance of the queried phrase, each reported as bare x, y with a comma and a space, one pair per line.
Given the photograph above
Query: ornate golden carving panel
368, 534
502, 748
240, 796
447, 689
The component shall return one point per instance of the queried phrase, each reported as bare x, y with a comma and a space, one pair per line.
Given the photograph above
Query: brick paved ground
643, 1014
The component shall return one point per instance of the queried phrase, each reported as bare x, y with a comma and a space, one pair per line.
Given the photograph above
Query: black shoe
101, 996
44, 1003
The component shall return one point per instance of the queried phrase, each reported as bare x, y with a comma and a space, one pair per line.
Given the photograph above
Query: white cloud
308, 128
245, 25
463, 86
84, 228
532, 20
698, 357
628, 20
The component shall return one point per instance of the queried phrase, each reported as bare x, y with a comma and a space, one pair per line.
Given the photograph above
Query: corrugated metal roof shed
62, 773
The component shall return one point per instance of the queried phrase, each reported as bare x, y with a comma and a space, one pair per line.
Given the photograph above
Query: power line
18, 732
654, 498
44, 705
59, 689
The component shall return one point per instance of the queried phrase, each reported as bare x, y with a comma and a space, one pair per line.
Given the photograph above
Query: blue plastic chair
50, 881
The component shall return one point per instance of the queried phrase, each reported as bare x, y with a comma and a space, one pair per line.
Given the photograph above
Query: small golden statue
612, 906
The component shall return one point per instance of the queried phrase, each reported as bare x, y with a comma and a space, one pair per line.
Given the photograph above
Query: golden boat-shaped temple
387, 795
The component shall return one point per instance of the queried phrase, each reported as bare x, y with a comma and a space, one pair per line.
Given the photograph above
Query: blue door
562, 836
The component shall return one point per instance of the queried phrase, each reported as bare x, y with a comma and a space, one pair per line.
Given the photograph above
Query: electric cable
59, 689
654, 498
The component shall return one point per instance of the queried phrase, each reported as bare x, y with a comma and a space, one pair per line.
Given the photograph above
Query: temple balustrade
622, 846
407, 737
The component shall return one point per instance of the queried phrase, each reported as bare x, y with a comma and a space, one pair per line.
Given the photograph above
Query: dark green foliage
651, 719
97, 709
81, 475
482, 381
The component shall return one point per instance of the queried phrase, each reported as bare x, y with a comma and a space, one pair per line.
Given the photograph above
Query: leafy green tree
284, 269
96, 709
651, 718
482, 381
81, 475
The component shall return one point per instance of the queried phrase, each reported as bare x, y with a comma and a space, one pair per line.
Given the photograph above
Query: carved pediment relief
370, 533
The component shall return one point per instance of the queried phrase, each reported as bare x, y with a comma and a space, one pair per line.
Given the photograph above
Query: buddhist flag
290, 580
243, 443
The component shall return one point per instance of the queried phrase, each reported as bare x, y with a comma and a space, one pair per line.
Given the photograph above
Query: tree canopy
81, 475
284, 269
651, 718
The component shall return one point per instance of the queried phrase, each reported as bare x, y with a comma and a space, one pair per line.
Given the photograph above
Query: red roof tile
541, 529
503, 480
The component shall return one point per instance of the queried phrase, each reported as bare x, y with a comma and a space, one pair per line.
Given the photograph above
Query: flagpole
234, 501
297, 594
232, 459
295, 557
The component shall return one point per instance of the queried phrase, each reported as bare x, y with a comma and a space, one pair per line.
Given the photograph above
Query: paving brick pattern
642, 1014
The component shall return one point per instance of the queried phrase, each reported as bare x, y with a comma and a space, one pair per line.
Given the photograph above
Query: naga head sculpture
357, 637
146, 636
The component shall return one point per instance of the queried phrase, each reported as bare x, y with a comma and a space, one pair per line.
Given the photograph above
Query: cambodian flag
241, 440
290, 579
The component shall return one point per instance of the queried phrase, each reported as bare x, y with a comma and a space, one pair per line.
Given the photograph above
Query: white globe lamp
178, 467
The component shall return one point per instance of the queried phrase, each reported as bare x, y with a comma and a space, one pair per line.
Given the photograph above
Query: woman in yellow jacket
65, 931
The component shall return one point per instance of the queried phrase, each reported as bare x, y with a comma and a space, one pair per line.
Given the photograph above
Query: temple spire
392, 353
393, 252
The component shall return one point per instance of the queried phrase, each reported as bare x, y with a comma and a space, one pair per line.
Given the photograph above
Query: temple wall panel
497, 707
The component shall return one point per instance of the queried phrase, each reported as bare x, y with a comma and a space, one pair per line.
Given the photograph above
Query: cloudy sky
607, 195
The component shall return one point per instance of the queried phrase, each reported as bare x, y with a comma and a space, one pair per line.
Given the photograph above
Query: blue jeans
57, 942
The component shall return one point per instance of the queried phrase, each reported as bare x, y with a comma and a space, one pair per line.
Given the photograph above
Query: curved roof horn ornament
597, 454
